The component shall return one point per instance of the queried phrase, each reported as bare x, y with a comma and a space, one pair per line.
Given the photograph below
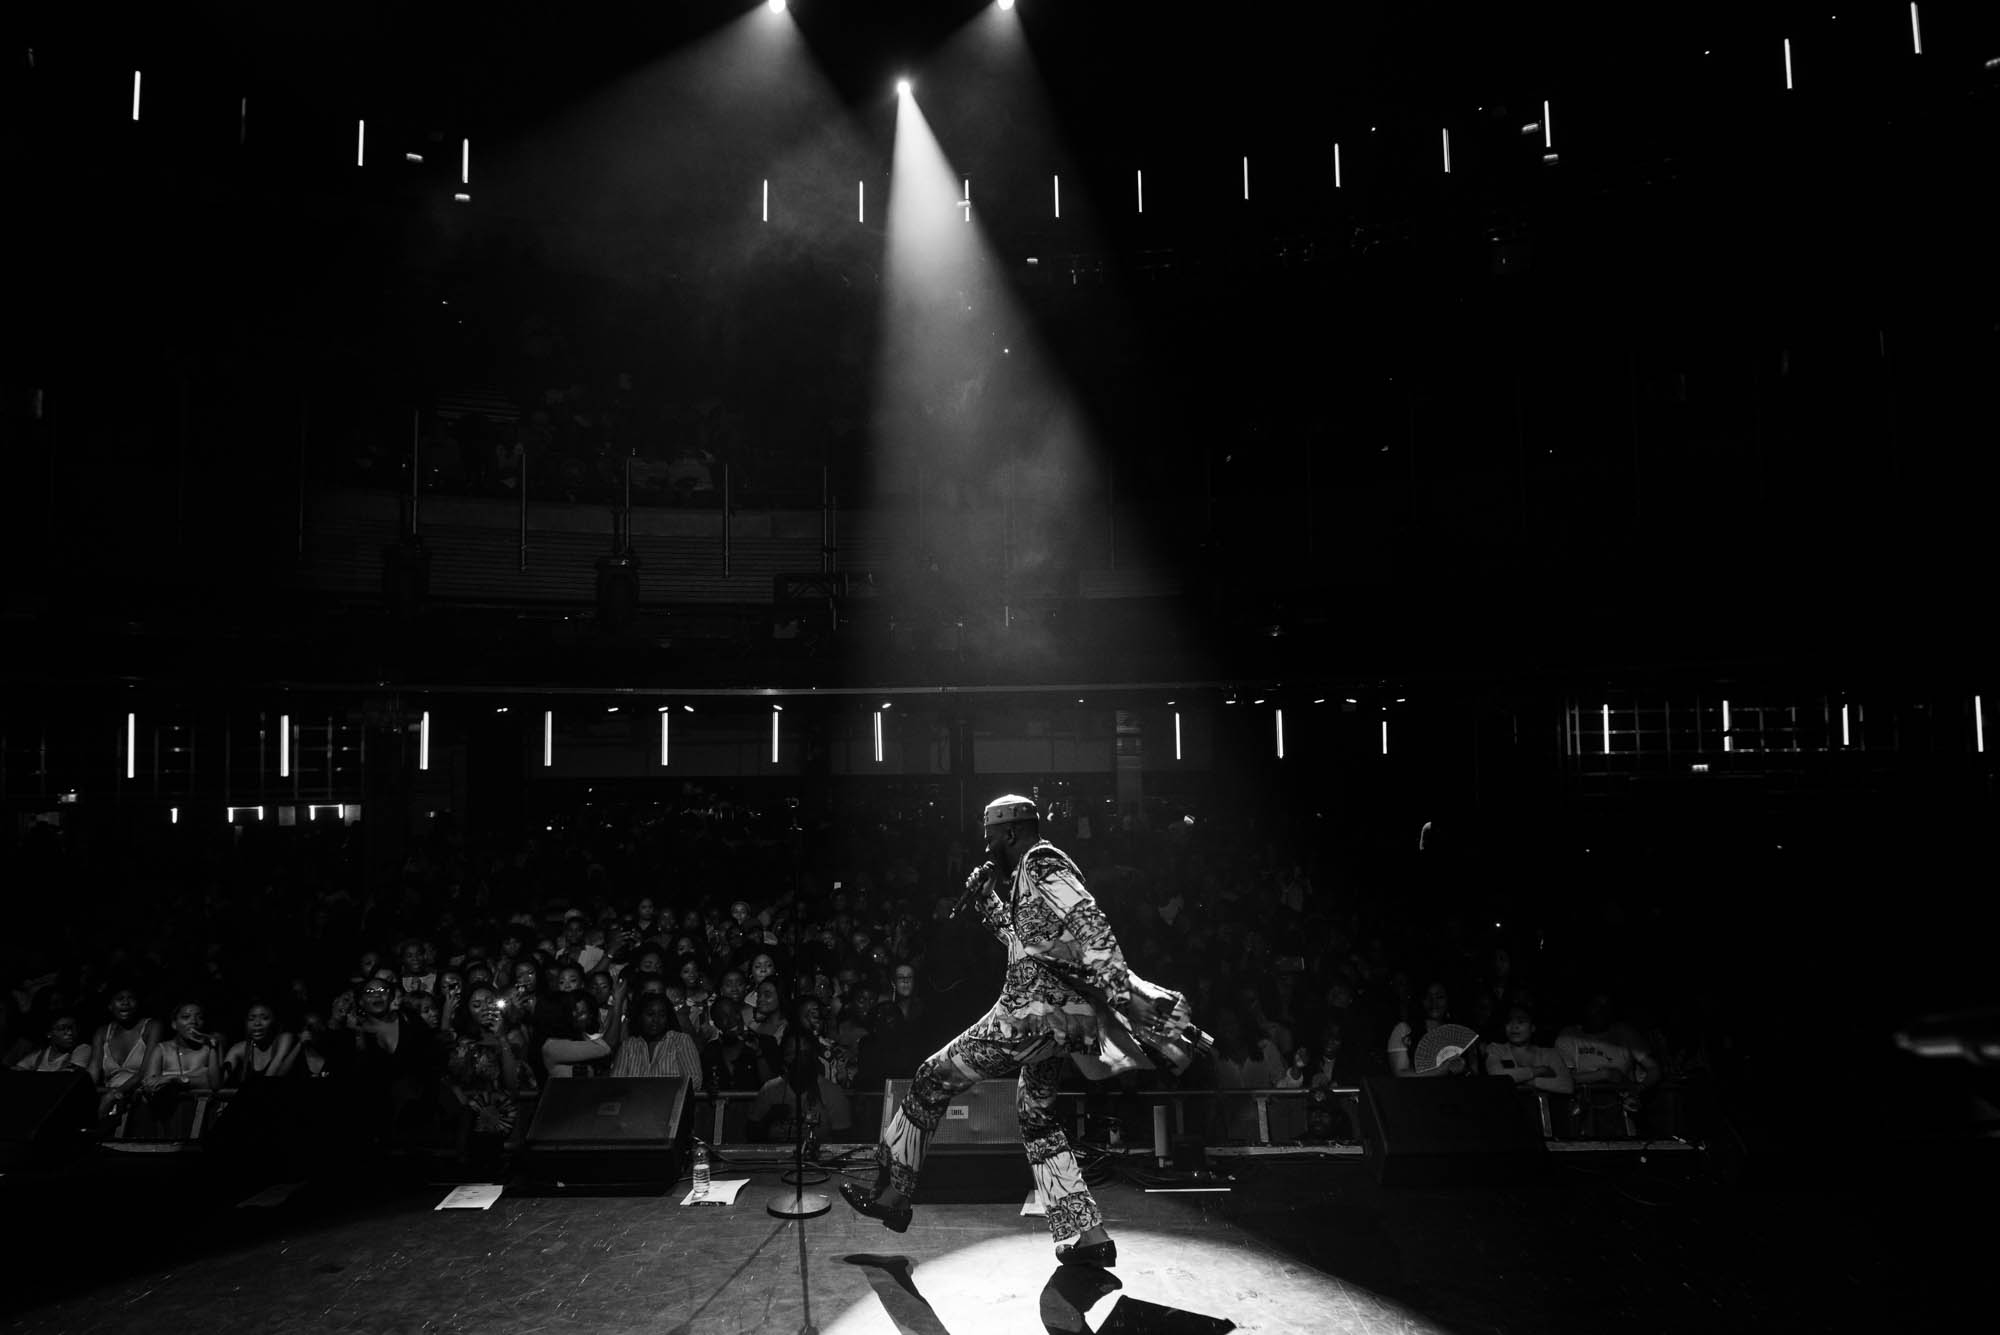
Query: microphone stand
799, 1203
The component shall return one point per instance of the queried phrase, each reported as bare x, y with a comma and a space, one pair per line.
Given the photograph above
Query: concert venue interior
1460, 517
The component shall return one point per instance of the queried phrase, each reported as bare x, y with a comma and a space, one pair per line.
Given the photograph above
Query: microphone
973, 884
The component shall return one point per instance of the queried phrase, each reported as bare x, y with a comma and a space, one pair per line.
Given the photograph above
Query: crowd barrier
1275, 1118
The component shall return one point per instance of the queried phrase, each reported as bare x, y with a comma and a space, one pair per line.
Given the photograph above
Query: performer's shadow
1069, 1293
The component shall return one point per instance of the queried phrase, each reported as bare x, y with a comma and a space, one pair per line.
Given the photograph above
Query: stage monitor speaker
1447, 1130
624, 1134
44, 1116
975, 1156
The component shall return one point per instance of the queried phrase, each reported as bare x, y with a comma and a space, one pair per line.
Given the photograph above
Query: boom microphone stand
799, 1203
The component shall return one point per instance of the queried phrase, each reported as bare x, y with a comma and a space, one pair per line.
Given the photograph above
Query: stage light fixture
902, 88
1607, 730
1336, 166
1788, 64
666, 734
1916, 30
1728, 742
131, 745
135, 95
775, 6
548, 738
1009, 4
284, 746
1281, 733
424, 740
1978, 725
1177, 734
1141, 177
361, 143
465, 162
878, 736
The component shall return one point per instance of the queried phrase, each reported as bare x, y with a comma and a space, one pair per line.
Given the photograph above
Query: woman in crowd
64, 1050
485, 1073
179, 1070
1434, 1010
119, 1051
731, 1059
591, 1040
264, 1052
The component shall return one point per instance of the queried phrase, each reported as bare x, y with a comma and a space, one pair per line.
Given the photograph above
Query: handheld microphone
973, 884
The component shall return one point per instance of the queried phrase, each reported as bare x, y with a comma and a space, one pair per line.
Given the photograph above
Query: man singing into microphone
1060, 953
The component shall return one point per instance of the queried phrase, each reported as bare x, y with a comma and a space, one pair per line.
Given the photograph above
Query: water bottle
700, 1169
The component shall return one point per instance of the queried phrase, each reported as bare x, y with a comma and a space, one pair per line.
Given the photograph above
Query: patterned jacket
1062, 959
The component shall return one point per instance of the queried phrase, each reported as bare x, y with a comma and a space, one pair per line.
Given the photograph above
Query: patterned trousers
983, 1052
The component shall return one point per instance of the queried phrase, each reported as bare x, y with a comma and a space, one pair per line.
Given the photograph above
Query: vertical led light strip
1978, 709
878, 736
1177, 734
775, 709
967, 201
1385, 737
243, 123
1846, 739
1548, 130
173, 815
861, 201
1607, 730
131, 746
1916, 30
767, 199
1788, 64
361, 143
424, 740
1281, 734
1728, 742
1058, 186
1447, 151
1336, 166
135, 95
1140, 178
1246, 179
465, 162
284, 746
548, 738
666, 731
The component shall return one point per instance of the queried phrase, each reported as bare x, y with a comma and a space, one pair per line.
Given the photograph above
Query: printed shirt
1061, 954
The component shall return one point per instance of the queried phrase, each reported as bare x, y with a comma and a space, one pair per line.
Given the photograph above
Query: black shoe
1102, 1254
896, 1221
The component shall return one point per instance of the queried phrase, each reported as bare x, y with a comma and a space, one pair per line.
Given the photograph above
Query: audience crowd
701, 940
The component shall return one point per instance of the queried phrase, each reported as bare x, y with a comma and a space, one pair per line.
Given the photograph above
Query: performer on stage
1061, 955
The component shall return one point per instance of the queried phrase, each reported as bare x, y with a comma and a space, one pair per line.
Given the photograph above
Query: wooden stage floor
131, 1243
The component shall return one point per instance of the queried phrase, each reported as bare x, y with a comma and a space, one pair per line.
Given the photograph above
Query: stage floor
1595, 1243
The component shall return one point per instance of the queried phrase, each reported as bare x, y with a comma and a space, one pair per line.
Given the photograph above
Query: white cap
1013, 807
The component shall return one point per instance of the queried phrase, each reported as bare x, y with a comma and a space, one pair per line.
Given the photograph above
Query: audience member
1402, 1048
659, 1047
180, 1069
264, 1051
64, 1050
